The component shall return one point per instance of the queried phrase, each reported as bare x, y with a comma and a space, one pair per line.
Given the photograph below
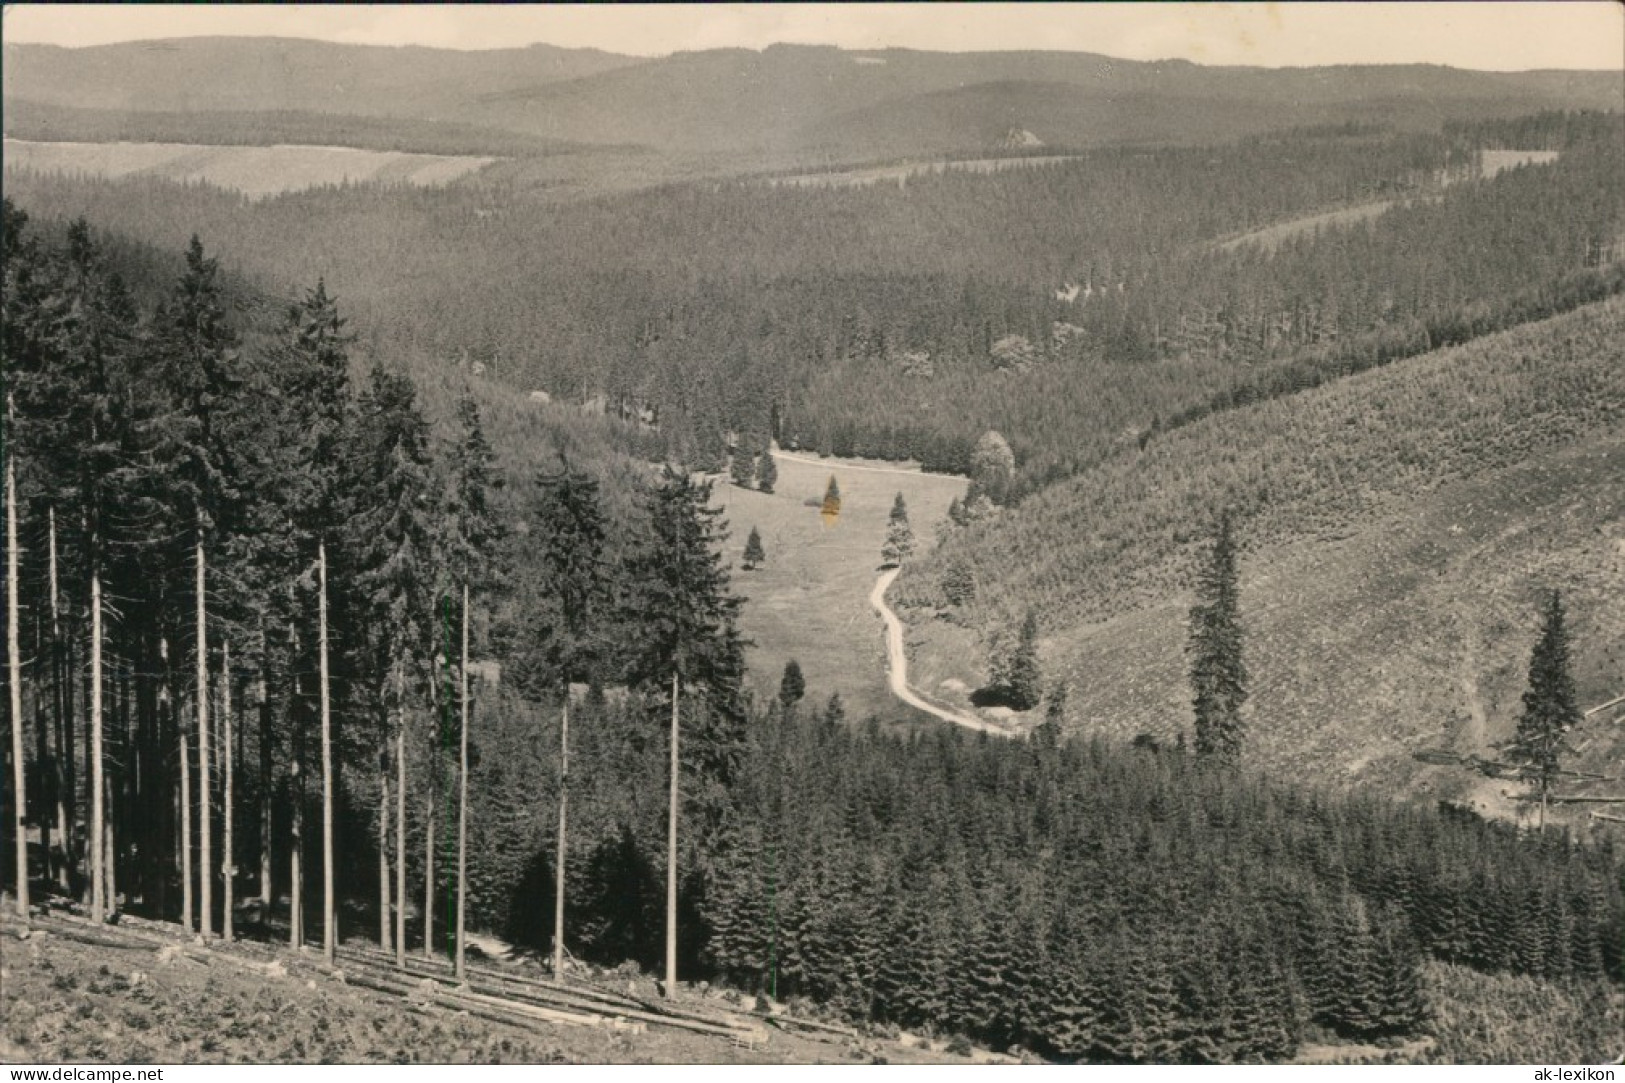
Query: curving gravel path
897, 665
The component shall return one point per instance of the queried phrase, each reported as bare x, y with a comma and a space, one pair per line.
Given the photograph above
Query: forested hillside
1072, 307
1398, 528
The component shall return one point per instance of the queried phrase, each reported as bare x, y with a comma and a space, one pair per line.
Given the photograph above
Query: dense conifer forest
1073, 306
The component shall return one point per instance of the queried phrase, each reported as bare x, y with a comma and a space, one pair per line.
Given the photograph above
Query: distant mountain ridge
794, 100
284, 74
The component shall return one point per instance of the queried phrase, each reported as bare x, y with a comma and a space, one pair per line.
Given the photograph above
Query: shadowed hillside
1399, 527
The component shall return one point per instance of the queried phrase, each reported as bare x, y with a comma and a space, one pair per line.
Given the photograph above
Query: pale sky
1502, 36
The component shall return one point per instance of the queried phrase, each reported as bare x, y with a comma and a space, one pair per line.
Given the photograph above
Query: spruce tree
476, 533
831, 508
767, 472
792, 686
293, 453
755, 555
679, 596
899, 545
1024, 686
1048, 733
1550, 706
195, 349
1218, 674
742, 468
398, 551
564, 630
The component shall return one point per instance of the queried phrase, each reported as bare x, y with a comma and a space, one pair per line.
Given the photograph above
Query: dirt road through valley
897, 665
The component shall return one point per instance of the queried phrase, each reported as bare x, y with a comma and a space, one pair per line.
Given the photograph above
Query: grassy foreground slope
1399, 527
127, 1000
76, 994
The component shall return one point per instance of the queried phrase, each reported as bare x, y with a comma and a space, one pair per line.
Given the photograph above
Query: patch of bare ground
143, 992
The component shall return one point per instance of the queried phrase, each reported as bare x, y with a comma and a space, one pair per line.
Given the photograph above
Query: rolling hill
1400, 527
266, 74
782, 104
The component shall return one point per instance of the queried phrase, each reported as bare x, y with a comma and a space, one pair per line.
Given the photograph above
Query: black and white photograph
918, 534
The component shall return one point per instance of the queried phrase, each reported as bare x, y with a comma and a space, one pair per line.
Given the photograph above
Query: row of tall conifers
245, 597
214, 526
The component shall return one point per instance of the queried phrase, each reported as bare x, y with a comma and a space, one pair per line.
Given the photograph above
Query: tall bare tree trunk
109, 864
228, 855
400, 843
44, 761
564, 813
98, 811
64, 728
383, 855
265, 773
186, 832
296, 855
671, 852
87, 774
14, 665
296, 787
462, 796
205, 776
428, 872
329, 916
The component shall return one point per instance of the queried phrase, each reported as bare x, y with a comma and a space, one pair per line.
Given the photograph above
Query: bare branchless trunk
400, 842
64, 728
205, 776
428, 870
98, 811
228, 855
462, 795
264, 690
671, 851
296, 787
329, 914
564, 813
186, 832
14, 665
42, 756
383, 857
109, 865
296, 856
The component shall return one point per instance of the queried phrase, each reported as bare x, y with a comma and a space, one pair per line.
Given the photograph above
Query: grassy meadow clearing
256, 172
809, 600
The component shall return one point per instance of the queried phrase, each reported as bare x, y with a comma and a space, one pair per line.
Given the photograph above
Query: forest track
897, 666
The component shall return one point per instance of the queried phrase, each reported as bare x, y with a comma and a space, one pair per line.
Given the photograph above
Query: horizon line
8, 40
